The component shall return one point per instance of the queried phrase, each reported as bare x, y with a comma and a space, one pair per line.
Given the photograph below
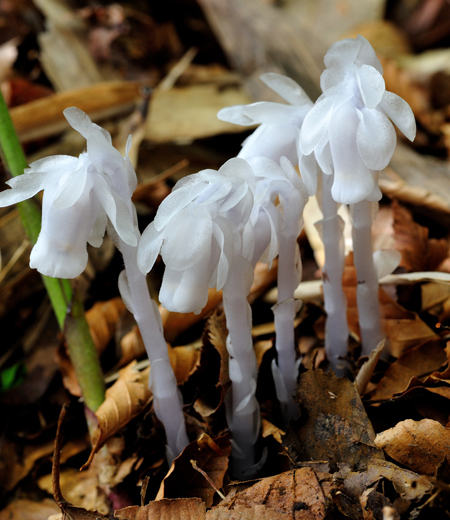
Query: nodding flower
198, 229
79, 199
349, 125
279, 131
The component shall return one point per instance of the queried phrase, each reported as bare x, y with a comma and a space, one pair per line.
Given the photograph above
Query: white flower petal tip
78, 120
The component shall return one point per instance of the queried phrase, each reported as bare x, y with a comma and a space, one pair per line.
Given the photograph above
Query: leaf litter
347, 455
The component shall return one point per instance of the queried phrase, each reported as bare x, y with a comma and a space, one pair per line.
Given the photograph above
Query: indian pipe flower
78, 200
351, 121
197, 230
280, 124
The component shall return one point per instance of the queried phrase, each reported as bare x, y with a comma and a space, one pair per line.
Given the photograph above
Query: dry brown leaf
415, 362
419, 253
44, 117
295, 493
184, 480
258, 512
419, 445
269, 429
187, 113
174, 323
24, 509
184, 361
124, 400
131, 346
102, 319
333, 424
166, 509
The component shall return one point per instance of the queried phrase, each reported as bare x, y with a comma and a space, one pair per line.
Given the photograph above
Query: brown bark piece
419, 445
333, 425
295, 493
166, 509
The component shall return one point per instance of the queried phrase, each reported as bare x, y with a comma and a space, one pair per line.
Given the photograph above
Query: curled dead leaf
102, 319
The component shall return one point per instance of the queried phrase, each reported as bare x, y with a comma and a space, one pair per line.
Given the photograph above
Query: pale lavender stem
336, 327
367, 284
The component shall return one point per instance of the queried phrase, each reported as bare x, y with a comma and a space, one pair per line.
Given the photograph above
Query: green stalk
81, 347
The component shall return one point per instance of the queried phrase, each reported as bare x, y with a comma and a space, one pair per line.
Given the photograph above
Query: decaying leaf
190, 112
420, 445
296, 493
419, 253
257, 512
184, 480
333, 424
124, 400
415, 362
269, 429
102, 319
24, 509
181, 509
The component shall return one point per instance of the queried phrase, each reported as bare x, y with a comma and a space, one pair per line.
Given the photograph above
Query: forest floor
375, 445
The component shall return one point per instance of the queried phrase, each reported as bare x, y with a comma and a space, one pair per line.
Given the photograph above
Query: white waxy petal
104, 132
352, 179
315, 126
272, 113
308, 171
170, 282
60, 250
323, 157
192, 293
149, 247
187, 239
79, 120
273, 142
54, 163
95, 238
371, 85
103, 155
23, 187
175, 202
342, 53
400, 113
235, 114
376, 139
238, 169
116, 209
287, 88
366, 55
71, 190
331, 77
223, 235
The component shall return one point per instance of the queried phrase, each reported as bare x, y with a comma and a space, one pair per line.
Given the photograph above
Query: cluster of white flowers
215, 225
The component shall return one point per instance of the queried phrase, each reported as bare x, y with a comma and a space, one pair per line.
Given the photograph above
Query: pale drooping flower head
280, 196
79, 198
198, 229
349, 125
279, 130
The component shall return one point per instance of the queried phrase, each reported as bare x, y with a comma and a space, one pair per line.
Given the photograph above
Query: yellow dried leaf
420, 445
258, 512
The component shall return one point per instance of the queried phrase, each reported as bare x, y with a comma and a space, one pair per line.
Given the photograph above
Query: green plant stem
81, 346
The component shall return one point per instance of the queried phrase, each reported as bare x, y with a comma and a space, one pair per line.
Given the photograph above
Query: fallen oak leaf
297, 494
165, 509
257, 512
419, 445
333, 424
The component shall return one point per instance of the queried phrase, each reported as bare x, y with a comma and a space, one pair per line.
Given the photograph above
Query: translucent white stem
336, 327
285, 371
367, 285
242, 406
166, 397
